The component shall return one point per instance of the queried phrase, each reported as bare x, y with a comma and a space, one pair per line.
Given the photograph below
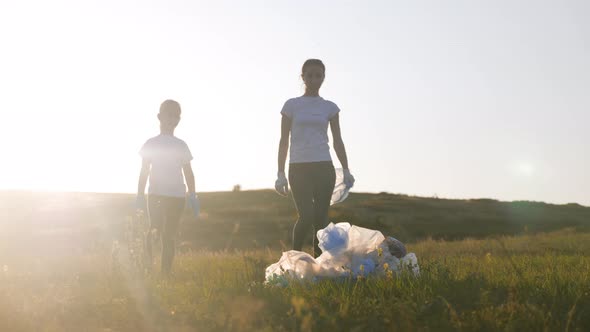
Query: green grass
485, 266
532, 282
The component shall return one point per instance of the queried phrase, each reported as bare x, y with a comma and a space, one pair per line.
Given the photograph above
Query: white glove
281, 184
195, 205
140, 203
348, 178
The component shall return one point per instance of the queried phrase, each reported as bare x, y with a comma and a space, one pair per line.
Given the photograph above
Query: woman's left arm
338, 143
341, 151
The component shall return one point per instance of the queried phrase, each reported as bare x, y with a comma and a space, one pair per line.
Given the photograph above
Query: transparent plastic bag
363, 240
340, 192
347, 251
333, 238
294, 264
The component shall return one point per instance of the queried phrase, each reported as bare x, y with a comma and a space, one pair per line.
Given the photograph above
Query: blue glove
195, 205
281, 184
348, 178
140, 204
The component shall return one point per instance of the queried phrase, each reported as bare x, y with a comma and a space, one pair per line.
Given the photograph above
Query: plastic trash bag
333, 238
410, 261
396, 247
347, 251
362, 266
295, 264
363, 240
340, 189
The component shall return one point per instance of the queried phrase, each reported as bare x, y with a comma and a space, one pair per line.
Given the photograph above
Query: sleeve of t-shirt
146, 151
186, 155
334, 111
287, 110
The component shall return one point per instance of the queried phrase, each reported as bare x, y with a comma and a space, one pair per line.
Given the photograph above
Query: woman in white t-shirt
311, 172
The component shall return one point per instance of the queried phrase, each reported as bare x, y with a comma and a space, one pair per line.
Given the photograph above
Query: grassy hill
260, 219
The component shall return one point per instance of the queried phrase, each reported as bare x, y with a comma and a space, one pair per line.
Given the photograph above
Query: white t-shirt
167, 155
310, 118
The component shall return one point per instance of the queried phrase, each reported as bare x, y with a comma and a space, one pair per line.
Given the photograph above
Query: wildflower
361, 272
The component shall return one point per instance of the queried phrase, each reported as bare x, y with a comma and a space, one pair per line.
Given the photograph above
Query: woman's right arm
284, 142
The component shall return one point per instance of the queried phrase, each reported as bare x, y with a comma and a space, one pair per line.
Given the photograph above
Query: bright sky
459, 99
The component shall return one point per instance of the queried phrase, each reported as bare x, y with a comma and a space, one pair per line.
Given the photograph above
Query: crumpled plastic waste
340, 192
347, 251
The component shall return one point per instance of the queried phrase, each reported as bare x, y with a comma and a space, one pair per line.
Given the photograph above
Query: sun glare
525, 169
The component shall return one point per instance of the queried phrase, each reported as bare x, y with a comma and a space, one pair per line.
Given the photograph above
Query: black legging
312, 185
164, 214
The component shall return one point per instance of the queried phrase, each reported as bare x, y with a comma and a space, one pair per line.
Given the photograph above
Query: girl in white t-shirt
311, 172
166, 161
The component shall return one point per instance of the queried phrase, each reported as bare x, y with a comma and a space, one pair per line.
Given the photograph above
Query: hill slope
256, 219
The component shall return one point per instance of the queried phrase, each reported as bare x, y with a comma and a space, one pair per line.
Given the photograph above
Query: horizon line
47, 191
